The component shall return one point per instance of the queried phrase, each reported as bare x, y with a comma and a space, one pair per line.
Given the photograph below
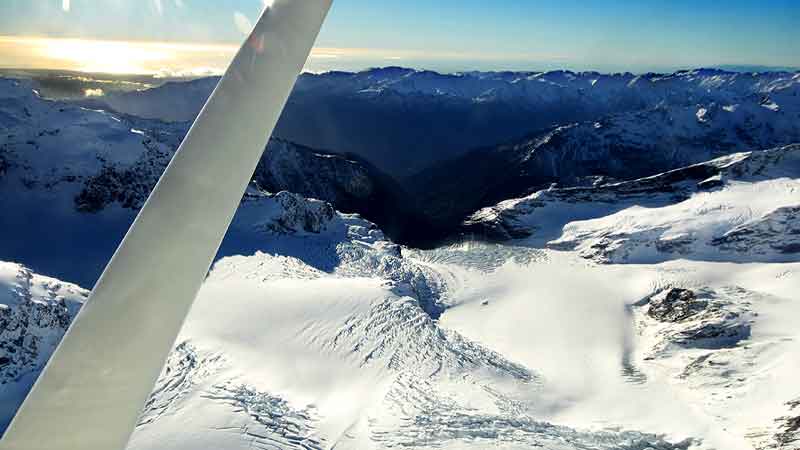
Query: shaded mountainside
621, 147
647, 125
437, 134
95, 169
347, 181
403, 120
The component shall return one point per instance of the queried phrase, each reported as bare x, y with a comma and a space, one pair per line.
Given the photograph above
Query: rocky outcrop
675, 305
35, 312
784, 432
777, 231
126, 185
296, 214
789, 434
790, 429
700, 318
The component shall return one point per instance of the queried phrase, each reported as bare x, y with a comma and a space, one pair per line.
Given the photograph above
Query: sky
201, 36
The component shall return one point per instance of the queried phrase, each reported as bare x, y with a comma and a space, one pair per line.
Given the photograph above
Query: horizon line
187, 59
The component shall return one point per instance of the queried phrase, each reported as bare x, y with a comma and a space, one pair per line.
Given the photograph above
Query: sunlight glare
114, 57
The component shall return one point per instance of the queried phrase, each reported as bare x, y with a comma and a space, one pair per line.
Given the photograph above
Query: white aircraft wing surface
92, 391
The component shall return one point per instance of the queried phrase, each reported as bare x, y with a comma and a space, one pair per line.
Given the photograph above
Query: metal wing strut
93, 389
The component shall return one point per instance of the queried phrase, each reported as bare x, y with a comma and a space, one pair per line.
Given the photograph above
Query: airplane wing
92, 391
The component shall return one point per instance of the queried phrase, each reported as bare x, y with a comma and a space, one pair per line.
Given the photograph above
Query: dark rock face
785, 435
313, 174
129, 186
299, 214
349, 183
704, 318
676, 305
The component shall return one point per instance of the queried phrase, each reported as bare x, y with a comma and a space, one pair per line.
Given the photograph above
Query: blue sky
458, 34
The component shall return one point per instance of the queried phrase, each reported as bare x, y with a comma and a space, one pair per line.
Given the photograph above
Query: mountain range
616, 267
420, 128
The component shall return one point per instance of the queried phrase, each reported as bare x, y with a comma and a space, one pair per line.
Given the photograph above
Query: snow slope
723, 375
738, 207
744, 221
35, 312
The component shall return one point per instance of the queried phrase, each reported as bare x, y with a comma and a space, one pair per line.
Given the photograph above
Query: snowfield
723, 374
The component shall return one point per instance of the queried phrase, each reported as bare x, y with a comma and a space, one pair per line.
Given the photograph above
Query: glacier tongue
309, 359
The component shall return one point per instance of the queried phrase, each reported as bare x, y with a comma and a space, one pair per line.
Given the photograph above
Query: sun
113, 57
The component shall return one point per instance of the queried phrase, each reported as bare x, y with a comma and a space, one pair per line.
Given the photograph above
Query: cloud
65, 5
191, 72
159, 7
243, 24
179, 3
